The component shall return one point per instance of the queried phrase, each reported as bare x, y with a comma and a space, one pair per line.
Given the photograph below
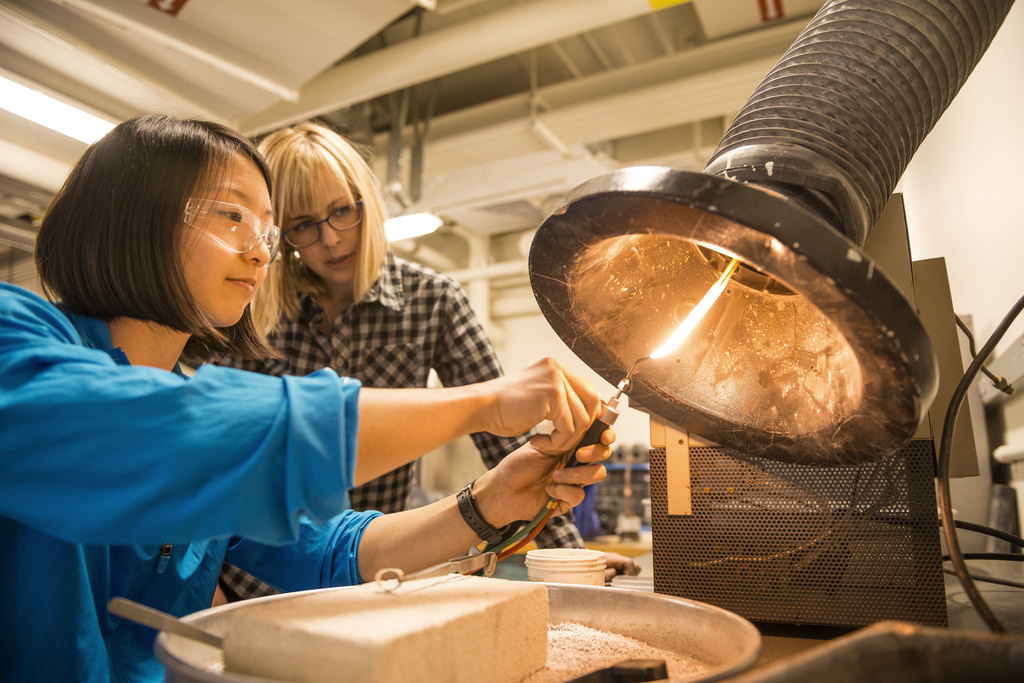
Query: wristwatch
471, 515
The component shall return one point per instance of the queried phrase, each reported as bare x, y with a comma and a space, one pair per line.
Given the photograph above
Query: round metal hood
810, 355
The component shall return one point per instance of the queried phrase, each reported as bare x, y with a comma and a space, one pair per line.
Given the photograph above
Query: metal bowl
725, 642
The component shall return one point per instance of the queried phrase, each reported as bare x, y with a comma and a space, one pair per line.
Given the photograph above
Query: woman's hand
517, 489
521, 484
543, 391
399, 425
616, 564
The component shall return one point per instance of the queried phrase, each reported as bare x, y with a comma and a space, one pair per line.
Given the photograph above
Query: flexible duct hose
835, 123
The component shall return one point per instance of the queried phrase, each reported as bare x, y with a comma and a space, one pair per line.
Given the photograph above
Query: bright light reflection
697, 313
411, 225
54, 114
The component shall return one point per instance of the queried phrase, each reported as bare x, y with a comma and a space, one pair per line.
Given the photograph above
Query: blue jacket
133, 481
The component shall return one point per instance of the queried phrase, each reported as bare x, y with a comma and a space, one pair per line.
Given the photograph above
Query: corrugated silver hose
835, 123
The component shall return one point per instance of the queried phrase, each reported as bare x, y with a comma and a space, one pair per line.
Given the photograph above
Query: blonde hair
298, 157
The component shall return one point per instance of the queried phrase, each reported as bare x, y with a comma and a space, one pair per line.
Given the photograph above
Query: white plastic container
566, 565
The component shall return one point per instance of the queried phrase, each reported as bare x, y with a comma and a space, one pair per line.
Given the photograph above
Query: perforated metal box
798, 544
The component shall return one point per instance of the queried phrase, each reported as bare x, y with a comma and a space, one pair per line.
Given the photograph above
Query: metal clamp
389, 578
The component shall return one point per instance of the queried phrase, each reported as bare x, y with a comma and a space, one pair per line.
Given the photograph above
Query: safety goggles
234, 227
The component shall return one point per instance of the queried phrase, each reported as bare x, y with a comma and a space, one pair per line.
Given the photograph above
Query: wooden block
454, 628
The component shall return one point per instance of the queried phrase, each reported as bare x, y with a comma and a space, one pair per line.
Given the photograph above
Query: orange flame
698, 312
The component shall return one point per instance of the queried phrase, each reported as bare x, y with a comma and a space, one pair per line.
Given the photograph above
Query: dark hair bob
110, 244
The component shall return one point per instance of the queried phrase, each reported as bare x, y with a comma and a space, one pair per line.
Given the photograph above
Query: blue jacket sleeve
97, 452
325, 555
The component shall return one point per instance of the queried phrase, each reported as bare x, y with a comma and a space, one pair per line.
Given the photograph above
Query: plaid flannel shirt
412, 319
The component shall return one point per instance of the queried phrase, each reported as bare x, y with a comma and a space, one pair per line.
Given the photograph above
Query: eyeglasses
236, 228
341, 219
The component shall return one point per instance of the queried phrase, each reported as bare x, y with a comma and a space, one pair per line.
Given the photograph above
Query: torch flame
697, 313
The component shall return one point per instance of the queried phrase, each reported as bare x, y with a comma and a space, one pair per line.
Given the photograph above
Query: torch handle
609, 414
592, 436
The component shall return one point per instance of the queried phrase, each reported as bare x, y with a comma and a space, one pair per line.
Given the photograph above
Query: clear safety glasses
234, 227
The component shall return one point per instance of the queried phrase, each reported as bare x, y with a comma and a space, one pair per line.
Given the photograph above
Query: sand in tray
575, 650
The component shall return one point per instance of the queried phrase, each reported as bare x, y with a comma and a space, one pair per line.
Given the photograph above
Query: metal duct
837, 120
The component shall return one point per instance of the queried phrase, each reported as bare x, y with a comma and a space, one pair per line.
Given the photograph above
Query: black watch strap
471, 515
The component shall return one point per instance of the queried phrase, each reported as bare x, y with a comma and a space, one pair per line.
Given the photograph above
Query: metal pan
727, 643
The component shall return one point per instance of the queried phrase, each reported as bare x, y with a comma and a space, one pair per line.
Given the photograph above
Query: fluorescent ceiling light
411, 225
52, 113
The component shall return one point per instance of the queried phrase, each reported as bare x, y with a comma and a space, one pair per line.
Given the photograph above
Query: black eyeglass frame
317, 225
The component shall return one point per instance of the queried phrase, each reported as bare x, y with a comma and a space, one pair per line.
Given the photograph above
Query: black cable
945, 449
986, 579
998, 381
991, 531
1005, 557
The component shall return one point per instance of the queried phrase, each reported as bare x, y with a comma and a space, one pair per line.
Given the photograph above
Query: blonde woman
338, 298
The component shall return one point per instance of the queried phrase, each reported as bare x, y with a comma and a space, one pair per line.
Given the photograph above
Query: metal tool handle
389, 578
161, 621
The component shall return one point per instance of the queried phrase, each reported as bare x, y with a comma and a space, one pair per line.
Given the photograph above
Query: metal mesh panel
786, 543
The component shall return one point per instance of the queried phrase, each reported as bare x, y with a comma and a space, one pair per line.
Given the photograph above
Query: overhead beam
203, 46
503, 32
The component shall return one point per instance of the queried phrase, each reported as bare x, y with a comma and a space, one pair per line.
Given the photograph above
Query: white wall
964, 187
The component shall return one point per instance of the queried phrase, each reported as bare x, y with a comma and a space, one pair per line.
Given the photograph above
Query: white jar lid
565, 558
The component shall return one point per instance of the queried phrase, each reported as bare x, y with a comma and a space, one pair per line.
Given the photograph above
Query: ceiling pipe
416, 250
32, 167
16, 236
711, 80
501, 33
491, 271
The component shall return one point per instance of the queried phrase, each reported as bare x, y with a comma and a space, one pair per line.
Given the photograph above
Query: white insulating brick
452, 629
